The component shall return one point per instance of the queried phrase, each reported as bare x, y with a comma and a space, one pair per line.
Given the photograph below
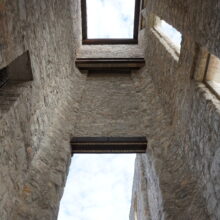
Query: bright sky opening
173, 35
110, 18
98, 187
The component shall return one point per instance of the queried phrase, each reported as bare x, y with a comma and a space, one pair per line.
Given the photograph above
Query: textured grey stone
178, 177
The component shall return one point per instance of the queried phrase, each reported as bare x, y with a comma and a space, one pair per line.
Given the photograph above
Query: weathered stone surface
34, 134
184, 138
178, 177
109, 107
110, 51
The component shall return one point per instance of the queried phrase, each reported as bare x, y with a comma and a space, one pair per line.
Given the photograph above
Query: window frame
96, 41
104, 145
207, 66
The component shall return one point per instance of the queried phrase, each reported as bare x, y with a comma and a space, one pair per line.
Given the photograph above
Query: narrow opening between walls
99, 186
169, 33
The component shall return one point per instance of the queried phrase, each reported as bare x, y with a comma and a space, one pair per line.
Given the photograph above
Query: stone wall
109, 107
178, 177
172, 189
36, 130
140, 206
182, 162
34, 133
196, 19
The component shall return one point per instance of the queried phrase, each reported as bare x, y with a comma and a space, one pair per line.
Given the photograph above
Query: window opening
3, 77
169, 33
110, 22
212, 76
99, 186
12, 80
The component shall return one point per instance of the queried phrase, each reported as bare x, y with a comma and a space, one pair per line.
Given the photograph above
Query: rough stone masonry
179, 176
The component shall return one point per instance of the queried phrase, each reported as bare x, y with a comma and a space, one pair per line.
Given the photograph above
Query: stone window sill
172, 49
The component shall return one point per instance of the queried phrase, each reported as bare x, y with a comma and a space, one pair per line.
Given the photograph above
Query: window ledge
214, 87
172, 49
208, 95
110, 51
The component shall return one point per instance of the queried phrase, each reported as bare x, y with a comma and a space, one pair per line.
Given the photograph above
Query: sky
174, 35
114, 18
98, 187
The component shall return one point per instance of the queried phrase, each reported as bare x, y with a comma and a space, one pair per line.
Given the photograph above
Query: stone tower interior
46, 100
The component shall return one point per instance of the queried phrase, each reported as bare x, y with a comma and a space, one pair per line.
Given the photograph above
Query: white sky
110, 18
168, 30
98, 187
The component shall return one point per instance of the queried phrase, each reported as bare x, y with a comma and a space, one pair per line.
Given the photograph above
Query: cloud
110, 19
98, 187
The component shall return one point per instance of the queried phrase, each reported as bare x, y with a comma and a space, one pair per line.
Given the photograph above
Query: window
169, 33
110, 22
212, 76
207, 70
12, 79
3, 77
